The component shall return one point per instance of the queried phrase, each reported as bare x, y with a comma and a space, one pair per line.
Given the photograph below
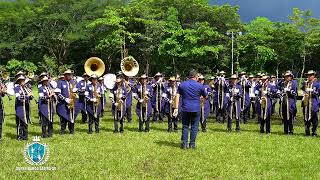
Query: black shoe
90, 132
261, 131
169, 130
204, 130
115, 131
290, 133
121, 131
314, 134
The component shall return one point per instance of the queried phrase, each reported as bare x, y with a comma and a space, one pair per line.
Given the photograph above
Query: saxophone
72, 96
307, 101
145, 101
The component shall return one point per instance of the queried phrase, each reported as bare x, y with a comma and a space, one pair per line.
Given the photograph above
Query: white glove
94, 99
309, 90
170, 101
140, 100
175, 113
115, 104
236, 90
231, 99
227, 94
286, 89
265, 92
68, 100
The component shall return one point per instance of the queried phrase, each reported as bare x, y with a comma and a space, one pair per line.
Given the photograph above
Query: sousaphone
129, 66
94, 65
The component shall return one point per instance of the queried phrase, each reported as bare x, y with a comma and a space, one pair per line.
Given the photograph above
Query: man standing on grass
190, 92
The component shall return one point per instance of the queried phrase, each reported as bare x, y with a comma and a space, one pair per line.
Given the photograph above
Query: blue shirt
190, 92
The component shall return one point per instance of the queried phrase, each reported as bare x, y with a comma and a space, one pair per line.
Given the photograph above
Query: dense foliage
163, 35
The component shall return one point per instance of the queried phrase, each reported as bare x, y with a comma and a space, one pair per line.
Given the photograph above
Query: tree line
163, 35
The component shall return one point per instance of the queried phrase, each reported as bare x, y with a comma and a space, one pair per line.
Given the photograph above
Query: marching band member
67, 108
3, 91
157, 101
22, 107
46, 107
103, 97
221, 87
129, 84
245, 97
143, 94
264, 92
310, 103
204, 104
258, 82
289, 92
118, 96
234, 95
252, 98
81, 86
93, 95
169, 94
39, 85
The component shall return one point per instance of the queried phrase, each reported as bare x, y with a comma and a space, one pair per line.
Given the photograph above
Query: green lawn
221, 155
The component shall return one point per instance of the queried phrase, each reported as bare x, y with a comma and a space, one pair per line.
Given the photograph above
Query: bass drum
10, 88
109, 80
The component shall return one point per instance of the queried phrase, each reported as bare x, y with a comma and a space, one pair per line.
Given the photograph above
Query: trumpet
173, 98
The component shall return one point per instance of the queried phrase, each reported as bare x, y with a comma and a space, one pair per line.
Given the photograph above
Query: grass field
156, 155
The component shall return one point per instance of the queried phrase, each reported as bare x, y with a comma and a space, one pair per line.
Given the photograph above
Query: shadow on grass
11, 135
168, 144
132, 129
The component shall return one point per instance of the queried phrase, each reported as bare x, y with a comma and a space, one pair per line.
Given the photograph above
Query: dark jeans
94, 120
190, 118
46, 126
245, 114
64, 123
128, 113
221, 114
22, 129
314, 122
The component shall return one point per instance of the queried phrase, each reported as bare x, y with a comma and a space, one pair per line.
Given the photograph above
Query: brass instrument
94, 65
72, 95
129, 66
173, 98
307, 101
96, 104
264, 101
30, 75
119, 101
5, 76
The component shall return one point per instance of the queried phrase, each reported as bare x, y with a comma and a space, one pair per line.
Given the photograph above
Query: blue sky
275, 10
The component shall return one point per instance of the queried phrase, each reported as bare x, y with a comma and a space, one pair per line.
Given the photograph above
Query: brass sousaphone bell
94, 65
129, 66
